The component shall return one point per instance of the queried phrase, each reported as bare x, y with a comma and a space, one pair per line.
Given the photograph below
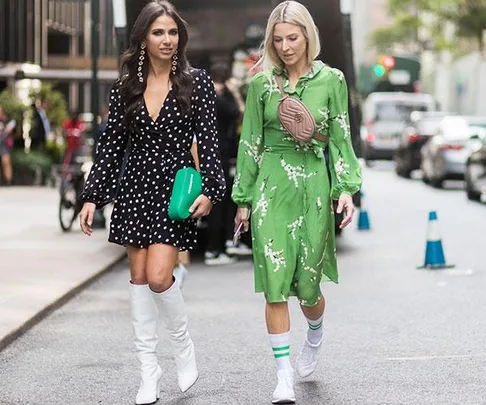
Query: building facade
51, 40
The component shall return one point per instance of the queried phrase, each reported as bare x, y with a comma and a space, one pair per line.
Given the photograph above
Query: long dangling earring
140, 63
174, 62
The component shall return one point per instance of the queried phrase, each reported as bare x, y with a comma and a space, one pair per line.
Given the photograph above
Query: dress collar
317, 66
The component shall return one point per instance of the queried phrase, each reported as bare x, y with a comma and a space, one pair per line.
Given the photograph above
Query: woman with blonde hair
286, 184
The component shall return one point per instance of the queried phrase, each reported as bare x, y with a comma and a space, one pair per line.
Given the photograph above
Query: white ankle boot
284, 393
173, 311
145, 323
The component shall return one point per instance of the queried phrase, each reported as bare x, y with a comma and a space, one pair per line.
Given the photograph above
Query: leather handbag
296, 118
187, 187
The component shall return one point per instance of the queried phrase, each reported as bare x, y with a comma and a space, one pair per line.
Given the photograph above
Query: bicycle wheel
67, 204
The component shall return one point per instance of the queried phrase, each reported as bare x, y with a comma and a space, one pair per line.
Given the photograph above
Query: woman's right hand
242, 215
86, 217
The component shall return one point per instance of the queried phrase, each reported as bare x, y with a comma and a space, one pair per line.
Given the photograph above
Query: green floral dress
286, 183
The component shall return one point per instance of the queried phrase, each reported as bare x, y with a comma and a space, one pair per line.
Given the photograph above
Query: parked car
385, 116
444, 156
420, 128
475, 175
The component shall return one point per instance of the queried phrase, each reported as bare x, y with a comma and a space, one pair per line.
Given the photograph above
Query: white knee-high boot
172, 309
145, 324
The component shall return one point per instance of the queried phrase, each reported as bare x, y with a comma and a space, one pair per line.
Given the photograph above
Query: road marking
425, 358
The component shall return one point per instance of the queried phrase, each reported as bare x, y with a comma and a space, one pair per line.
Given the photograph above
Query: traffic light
379, 70
384, 65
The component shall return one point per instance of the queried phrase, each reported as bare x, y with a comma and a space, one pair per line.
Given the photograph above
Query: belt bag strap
316, 135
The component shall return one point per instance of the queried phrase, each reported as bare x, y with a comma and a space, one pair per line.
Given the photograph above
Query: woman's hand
345, 203
86, 217
201, 207
242, 216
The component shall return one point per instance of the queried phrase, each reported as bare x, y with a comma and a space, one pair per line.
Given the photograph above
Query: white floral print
342, 169
254, 150
295, 225
262, 204
294, 172
342, 119
275, 256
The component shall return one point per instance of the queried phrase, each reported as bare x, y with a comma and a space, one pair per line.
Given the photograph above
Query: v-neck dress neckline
154, 121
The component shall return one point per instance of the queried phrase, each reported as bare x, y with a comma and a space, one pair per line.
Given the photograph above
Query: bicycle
72, 185
74, 168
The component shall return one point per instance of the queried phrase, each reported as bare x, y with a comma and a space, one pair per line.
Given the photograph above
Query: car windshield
476, 122
463, 128
396, 110
455, 128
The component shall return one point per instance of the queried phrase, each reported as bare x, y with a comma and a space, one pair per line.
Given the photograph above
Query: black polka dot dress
158, 150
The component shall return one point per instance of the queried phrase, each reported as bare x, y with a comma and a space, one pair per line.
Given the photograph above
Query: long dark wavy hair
131, 88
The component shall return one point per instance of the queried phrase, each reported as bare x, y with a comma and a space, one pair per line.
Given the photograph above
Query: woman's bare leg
161, 260
137, 259
277, 317
7, 168
316, 311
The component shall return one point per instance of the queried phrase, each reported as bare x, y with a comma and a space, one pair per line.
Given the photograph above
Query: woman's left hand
201, 207
345, 203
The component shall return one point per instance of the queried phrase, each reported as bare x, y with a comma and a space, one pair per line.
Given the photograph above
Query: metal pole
354, 108
95, 46
120, 22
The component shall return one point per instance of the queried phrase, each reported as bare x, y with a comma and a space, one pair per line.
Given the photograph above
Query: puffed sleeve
344, 167
102, 182
250, 147
205, 131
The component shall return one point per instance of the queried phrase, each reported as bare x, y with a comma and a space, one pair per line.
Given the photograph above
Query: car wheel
425, 179
472, 194
437, 183
403, 172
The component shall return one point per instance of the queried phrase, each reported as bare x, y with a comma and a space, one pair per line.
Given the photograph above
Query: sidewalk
40, 266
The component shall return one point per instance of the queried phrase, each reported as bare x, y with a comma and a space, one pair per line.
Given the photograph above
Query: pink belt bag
296, 118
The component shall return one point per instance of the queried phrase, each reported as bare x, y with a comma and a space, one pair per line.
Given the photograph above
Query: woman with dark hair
160, 104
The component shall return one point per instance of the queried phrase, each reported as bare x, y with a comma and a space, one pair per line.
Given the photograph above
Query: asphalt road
394, 334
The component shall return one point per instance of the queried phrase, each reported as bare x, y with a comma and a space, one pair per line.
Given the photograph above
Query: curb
57, 303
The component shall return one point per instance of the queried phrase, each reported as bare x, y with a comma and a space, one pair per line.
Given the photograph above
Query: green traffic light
379, 70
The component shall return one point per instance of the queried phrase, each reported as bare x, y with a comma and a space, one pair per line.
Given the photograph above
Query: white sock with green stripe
314, 333
281, 349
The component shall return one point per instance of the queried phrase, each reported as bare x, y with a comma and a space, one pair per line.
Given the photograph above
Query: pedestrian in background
41, 126
74, 131
180, 270
100, 128
287, 185
6, 128
160, 103
229, 109
99, 220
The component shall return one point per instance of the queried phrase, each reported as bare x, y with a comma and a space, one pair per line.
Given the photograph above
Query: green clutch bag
187, 187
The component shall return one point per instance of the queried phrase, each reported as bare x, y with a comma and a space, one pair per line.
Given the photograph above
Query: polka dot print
158, 149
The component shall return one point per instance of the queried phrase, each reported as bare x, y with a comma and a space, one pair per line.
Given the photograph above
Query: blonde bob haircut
291, 12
